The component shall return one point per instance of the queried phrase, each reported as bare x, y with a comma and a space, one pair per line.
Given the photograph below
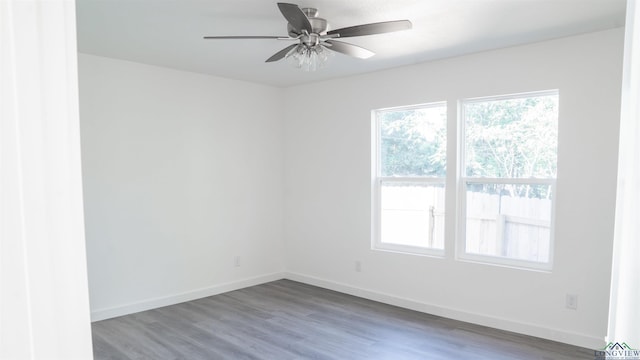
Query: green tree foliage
513, 138
413, 142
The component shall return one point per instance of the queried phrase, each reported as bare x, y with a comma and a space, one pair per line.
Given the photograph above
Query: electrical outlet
358, 266
572, 301
236, 261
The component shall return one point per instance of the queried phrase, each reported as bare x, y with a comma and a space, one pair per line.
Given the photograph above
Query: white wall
327, 188
182, 173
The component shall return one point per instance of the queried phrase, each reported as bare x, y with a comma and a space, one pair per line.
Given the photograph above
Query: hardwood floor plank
288, 320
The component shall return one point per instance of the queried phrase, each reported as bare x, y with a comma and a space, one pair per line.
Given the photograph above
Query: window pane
513, 138
412, 214
509, 220
413, 141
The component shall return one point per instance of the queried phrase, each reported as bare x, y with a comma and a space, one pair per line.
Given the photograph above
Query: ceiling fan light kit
308, 58
315, 44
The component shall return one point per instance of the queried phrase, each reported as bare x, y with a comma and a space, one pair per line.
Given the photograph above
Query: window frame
377, 181
463, 180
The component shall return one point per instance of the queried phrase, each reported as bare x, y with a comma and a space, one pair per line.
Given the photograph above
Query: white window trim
505, 97
376, 187
462, 181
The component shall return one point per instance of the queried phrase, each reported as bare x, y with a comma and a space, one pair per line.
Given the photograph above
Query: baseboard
566, 337
571, 338
107, 313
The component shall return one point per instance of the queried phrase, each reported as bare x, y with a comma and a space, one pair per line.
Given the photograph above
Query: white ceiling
169, 32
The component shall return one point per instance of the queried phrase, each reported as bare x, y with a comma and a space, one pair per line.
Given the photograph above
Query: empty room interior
453, 195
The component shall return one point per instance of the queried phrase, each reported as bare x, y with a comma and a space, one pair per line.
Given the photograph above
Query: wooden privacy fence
506, 226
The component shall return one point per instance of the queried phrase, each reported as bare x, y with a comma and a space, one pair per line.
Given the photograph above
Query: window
506, 159
409, 173
508, 173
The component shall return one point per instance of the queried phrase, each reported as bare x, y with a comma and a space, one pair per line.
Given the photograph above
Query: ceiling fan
315, 43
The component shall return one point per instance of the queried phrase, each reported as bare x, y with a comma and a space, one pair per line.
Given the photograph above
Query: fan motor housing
318, 25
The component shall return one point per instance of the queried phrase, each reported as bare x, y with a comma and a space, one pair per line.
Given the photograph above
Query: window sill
409, 250
505, 262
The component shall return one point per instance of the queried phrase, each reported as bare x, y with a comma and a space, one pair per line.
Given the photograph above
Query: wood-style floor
289, 320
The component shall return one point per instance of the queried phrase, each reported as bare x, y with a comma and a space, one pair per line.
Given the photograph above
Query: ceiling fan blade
281, 54
372, 29
349, 49
249, 37
295, 17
